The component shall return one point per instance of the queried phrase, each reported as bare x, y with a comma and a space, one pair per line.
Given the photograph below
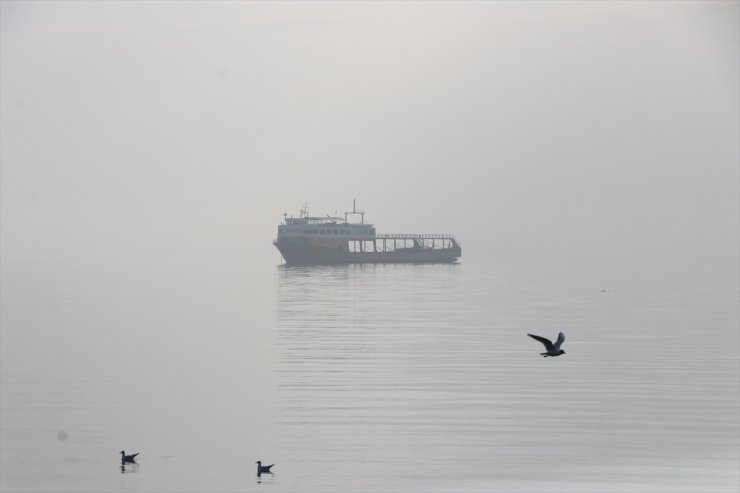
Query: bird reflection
265, 477
130, 467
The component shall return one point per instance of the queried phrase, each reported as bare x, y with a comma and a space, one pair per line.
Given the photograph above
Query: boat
335, 240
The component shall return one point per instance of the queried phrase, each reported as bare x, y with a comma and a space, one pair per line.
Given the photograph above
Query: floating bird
552, 349
128, 458
261, 468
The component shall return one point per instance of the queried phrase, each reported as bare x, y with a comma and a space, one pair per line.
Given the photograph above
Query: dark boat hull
335, 251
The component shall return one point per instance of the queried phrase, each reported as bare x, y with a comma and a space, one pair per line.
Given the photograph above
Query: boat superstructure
335, 240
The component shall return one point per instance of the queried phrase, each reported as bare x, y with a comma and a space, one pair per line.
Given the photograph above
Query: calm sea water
371, 377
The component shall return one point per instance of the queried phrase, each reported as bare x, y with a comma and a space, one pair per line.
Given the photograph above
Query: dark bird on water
552, 349
128, 458
261, 468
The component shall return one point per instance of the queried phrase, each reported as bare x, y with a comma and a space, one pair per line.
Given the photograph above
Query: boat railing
412, 236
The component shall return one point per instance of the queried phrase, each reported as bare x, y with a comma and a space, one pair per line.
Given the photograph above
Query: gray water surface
371, 378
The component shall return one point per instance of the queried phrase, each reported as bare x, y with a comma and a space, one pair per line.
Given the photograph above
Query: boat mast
354, 211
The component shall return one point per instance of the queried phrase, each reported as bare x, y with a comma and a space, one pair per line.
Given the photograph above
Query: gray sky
148, 129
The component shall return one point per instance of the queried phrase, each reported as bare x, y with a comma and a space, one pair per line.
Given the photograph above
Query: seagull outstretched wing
547, 342
561, 339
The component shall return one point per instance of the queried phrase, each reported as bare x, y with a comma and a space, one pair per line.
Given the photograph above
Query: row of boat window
363, 232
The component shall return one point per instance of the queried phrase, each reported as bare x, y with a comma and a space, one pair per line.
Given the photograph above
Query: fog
142, 132
585, 154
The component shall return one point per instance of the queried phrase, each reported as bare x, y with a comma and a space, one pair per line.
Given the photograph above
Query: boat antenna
354, 211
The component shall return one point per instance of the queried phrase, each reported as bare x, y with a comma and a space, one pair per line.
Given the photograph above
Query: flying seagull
552, 349
128, 458
261, 468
